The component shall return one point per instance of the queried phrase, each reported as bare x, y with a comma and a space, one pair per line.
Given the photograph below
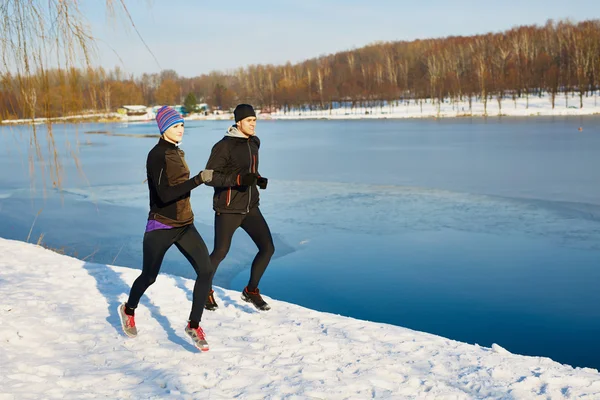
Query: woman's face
174, 133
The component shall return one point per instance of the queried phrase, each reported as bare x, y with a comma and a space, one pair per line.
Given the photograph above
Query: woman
171, 221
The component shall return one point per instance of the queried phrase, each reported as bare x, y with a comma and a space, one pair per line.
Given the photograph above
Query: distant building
136, 113
179, 108
202, 108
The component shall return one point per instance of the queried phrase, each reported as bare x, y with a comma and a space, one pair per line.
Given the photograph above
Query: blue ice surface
481, 230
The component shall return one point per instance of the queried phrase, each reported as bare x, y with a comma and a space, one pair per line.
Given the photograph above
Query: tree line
558, 58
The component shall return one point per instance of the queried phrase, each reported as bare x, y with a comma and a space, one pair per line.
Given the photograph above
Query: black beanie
243, 111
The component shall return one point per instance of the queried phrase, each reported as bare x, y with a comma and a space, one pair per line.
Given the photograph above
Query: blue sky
196, 37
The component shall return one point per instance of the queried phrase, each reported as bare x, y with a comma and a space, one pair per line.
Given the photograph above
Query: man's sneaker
127, 322
197, 336
254, 297
211, 304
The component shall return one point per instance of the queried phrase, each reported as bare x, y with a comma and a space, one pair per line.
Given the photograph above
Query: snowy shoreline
521, 107
60, 338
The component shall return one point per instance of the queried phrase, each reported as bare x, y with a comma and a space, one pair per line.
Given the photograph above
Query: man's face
247, 126
174, 134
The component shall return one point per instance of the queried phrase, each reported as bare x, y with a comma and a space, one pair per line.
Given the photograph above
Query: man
234, 160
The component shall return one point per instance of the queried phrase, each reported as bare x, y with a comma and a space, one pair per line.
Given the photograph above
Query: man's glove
262, 182
248, 179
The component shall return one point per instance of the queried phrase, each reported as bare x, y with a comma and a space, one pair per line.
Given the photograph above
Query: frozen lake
483, 231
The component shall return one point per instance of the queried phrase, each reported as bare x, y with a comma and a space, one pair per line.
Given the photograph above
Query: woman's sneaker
211, 304
127, 322
197, 336
254, 297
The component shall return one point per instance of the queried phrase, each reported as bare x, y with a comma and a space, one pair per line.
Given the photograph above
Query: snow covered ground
60, 338
535, 106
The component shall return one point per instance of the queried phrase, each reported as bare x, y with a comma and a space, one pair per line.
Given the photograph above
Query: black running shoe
211, 304
255, 298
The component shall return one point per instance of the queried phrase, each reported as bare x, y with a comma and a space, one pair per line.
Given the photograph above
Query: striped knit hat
166, 117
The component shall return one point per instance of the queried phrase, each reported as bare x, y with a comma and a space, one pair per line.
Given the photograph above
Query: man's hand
262, 182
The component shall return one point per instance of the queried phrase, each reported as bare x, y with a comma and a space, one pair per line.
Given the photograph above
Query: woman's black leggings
190, 244
256, 227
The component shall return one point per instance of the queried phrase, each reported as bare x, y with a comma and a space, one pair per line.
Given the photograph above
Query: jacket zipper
250, 168
249, 187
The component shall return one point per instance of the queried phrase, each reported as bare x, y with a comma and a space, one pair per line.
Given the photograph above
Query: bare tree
583, 44
323, 72
434, 71
34, 34
526, 56
480, 60
500, 62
